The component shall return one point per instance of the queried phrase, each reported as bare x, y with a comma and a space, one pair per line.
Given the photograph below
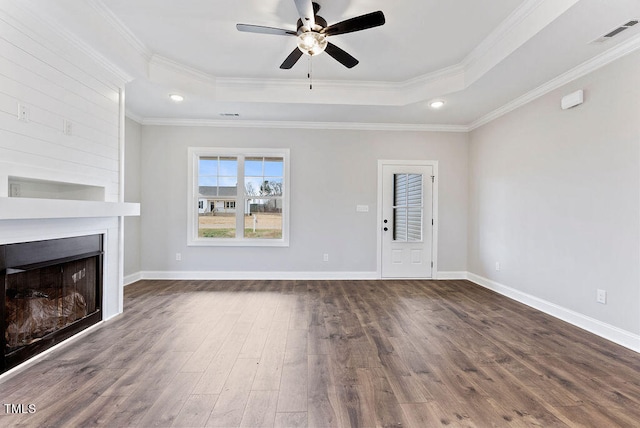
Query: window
238, 197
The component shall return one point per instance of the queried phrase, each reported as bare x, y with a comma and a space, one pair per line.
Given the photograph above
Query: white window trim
194, 153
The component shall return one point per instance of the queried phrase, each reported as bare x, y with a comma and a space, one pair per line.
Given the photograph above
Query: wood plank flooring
328, 354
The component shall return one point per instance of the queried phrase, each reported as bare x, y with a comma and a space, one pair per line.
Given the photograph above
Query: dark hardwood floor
328, 354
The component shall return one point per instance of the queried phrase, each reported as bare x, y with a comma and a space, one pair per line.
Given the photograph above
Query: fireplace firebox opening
51, 290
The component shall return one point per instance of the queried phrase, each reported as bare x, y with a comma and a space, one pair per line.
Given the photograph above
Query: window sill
221, 242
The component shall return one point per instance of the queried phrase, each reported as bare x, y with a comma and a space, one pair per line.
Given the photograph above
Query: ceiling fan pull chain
310, 73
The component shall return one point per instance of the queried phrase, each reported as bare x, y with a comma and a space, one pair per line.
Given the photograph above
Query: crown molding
121, 28
159, 62
232, 82
425, 79
501, 31
121, 77
522, 25
523, 22
627, 47
347, 126
597, 62
133, 116
526, 21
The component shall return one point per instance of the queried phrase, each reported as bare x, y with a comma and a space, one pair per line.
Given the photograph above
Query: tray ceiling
476, 57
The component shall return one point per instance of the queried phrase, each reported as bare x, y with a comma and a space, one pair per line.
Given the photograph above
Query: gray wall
331, 172
132, 192
554, 197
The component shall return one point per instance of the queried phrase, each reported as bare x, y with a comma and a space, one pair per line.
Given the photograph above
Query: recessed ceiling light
177, 98
436, 104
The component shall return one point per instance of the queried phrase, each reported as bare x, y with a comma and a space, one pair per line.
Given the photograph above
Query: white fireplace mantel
36, 208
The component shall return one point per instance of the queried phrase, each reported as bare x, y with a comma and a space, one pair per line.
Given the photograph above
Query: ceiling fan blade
341, 56
248, 28
291, 59
362, 22
305, 10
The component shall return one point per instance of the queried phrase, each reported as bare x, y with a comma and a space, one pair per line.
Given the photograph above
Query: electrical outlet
497, 265
178, 256
325, 257
67, 127
23, 112
14, 190
601, 296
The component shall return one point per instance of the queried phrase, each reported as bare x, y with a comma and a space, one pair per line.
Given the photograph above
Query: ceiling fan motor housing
321, 23
310, 40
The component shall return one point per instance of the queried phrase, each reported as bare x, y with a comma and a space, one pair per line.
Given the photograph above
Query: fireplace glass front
52, 290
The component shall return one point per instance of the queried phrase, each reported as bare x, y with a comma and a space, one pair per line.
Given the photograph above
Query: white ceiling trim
524, 23
120, 28
166, 71
605, 58
133, 116
408, 127
119, 75
617, 52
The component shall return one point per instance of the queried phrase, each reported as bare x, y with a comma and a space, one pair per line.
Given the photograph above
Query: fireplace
51, 290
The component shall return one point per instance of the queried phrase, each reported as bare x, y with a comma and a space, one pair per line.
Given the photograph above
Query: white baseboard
130, 279
451, 275
213, 275
231, 275
592, 325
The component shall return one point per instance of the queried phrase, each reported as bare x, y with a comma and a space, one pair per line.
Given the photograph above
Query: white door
407, 221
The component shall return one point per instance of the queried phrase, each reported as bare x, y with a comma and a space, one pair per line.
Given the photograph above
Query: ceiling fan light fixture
312, 42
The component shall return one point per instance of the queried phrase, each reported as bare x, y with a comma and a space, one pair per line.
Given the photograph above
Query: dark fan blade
362, 22
305, 10
291, 59
264, 30
341, 56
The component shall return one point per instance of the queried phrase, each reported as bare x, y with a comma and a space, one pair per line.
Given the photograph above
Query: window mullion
240, 198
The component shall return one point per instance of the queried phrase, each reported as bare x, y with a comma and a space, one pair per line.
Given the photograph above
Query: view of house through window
218, 186
240, 197
263, 184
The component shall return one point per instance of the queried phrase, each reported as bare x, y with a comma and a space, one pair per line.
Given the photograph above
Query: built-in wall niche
20, 187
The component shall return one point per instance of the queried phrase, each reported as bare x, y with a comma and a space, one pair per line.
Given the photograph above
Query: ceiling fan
312, 33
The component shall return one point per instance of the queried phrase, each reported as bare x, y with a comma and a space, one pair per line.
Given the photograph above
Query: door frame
434, 240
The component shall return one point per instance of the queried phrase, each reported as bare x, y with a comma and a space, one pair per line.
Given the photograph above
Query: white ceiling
478, 56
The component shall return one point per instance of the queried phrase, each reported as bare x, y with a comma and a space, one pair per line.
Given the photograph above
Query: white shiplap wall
57, 80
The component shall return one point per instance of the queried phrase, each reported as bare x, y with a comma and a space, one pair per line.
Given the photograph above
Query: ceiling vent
611, 34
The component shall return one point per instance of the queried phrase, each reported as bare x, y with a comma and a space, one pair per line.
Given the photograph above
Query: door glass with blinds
408, 209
